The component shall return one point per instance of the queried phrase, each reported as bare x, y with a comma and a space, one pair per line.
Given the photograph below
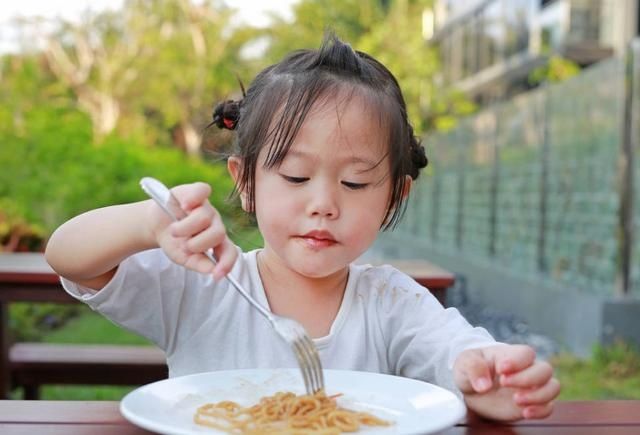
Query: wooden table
28, 277
66, 417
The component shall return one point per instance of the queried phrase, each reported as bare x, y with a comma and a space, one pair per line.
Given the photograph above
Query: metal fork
291, 331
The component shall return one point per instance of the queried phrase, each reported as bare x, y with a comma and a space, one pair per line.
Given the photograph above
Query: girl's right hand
185, 241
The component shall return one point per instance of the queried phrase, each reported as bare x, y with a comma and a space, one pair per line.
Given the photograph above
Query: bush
16, 234
53, 172
619, 360
56, 172
29, 321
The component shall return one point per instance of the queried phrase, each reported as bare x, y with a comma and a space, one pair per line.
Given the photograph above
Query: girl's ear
408, 182
234, 166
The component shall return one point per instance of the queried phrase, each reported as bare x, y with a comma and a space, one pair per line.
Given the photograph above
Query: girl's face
323, 207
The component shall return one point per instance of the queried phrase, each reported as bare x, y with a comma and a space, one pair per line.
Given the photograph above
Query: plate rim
459, 412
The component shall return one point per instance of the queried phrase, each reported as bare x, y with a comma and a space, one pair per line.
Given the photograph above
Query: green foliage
89, 327
349, 19
613, 372
190, 60
55, 172
16, 234
78, 392
29, 321
619, 360
557, 69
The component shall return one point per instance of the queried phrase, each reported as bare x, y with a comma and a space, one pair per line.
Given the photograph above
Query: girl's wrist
146, 215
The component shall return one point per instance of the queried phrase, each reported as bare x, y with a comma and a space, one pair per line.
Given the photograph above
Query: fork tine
316, 367
303, 362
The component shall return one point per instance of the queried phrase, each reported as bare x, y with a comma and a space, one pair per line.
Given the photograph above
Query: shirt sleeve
144, 296
423, 338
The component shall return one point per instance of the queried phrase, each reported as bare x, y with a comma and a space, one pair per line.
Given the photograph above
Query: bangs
311, 94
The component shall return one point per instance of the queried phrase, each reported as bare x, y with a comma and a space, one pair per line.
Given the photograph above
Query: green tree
391, 32
153, 64
350, 19
195, 65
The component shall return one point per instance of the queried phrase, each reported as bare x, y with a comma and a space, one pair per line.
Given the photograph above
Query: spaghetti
285, 413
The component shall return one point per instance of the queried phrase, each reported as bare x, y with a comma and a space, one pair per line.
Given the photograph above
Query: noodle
285, 413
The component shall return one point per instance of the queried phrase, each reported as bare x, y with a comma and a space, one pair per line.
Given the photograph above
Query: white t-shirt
387, 323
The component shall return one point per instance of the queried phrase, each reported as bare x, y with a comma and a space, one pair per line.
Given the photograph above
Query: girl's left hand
506, 382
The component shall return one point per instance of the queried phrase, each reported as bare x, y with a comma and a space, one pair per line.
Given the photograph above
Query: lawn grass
610, 373
88, 328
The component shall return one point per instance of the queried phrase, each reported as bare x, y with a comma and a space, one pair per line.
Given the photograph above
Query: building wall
489, 47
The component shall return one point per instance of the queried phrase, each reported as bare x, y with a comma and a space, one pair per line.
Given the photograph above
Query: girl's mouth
318, 239
314, 243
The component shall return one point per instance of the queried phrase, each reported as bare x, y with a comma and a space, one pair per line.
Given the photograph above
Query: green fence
537, 185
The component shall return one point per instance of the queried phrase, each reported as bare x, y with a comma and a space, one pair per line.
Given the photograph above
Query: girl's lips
315, 243
319, 235
318, 239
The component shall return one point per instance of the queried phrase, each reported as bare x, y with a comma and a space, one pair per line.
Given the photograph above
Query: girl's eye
354, 186
294, 180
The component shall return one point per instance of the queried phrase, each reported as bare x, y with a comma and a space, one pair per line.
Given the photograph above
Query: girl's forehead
346, 120
351, 122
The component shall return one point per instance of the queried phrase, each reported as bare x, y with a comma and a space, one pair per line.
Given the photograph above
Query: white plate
168, 406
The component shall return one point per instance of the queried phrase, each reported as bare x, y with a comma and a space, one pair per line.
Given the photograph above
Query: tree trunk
186, 137
103, 109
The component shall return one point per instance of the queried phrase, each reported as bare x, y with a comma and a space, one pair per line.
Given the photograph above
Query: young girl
325, 158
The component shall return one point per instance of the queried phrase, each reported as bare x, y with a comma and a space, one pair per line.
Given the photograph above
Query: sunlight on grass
90, 327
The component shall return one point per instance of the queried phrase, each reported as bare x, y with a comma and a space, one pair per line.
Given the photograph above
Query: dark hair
291, 87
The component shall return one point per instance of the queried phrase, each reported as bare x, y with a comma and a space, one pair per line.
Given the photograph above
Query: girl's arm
88, 248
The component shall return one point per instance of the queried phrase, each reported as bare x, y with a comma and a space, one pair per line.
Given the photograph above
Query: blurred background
529, 111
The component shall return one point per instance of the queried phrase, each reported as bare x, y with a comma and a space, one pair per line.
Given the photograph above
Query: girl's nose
324, 202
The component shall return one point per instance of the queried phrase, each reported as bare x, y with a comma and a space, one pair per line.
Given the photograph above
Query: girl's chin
315, 269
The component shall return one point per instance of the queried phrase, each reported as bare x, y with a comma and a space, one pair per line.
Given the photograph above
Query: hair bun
418, 158
227, 114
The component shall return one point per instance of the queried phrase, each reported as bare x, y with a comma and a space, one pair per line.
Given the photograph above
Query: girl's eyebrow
349, 160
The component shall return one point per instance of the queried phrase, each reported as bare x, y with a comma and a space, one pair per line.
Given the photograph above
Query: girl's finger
192, 195
196, 221
537, 374
538, 396
207, 239
474, 372
226, 253
200, 263
538, 411
513, 358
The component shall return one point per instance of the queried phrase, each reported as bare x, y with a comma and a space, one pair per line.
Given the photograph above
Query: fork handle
165, 199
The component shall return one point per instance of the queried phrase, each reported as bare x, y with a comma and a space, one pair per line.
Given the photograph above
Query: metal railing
543, 185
